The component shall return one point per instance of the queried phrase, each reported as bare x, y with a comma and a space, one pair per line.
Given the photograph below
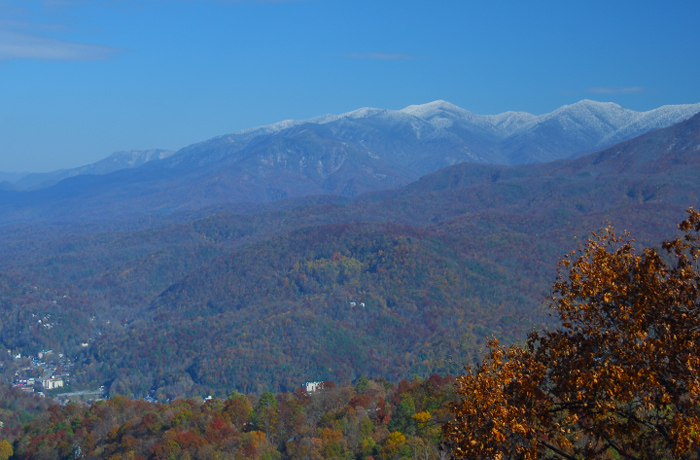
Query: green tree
362, 385
619, 379
267, 399
5, 450
266, 414
402, 420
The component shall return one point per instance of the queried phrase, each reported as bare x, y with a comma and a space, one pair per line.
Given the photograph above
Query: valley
208, 296
331, 230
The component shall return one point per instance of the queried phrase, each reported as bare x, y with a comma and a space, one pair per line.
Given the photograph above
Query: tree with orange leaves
619, 379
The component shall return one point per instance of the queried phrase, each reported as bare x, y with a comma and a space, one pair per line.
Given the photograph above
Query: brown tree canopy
618, 379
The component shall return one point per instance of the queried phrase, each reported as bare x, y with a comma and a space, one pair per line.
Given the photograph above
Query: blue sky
81, 79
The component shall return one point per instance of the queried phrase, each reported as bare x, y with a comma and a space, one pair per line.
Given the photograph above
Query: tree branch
556, 450
618, 449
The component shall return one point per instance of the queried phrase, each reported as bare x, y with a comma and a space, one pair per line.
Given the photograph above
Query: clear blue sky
80, 79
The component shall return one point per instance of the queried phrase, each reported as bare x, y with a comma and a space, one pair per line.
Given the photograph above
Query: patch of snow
267, 129
432, 109
363, 113
509, 122
661, 117
441, 123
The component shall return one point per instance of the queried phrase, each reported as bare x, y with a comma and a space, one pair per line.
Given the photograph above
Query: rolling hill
219, 298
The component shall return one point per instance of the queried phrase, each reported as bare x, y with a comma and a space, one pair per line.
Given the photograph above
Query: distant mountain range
114, 162
344, 155
428, 137
392, 283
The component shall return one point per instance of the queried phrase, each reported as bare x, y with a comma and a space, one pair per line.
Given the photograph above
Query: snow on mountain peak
432, 109
657, 118
364, 112
591, 103
274, 127
511, 121
588, 106
599, 124
321, 120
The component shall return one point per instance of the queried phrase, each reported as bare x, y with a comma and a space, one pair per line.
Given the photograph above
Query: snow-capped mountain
569, 131
344, 155
430, 136
127, 159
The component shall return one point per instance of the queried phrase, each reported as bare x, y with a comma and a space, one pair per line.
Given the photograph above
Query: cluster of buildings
49, 365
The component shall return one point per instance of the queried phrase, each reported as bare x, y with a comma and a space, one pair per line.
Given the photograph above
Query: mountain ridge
346, 155
448, 125
116, 161
275, 296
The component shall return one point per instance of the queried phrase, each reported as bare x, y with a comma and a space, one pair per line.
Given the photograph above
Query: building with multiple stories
53, 382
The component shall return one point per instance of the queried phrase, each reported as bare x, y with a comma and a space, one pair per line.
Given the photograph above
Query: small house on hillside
310, 387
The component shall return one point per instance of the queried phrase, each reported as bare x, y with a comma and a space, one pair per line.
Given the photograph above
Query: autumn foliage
374, 420
618, 379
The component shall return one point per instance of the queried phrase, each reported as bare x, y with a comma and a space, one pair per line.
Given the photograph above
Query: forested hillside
207, 301
372, 419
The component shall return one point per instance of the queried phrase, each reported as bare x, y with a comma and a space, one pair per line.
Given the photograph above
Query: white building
312, 386
52, 383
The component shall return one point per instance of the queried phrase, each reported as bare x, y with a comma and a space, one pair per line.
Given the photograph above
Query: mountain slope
114, 162
346, 155
266, 298
439, 134
200, 302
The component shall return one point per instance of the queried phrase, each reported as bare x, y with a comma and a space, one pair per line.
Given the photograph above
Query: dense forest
372, 419
390, 284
